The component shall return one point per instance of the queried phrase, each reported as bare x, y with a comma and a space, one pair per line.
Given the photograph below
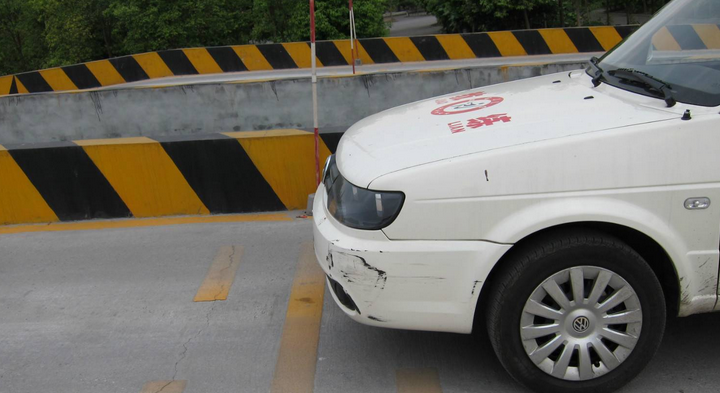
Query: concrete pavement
112, 310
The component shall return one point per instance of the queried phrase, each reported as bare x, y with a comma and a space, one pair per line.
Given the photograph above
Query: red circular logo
470, 105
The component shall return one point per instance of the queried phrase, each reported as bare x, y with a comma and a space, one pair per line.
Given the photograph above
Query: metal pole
314, 92
352, 35
354, 29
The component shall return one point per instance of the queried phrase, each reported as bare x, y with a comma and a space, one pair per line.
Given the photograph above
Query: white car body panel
411, 135
419, 285
560, 157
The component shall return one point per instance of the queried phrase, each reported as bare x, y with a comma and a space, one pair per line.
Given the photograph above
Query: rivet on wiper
687, 115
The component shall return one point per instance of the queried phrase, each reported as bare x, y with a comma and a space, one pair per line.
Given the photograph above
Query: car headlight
357, 207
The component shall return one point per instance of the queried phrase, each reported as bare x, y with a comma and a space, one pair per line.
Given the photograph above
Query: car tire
553, 344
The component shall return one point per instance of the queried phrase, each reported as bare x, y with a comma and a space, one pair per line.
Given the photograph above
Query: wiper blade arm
649, 80
596, 80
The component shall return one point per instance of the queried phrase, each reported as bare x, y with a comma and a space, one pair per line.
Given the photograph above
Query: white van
567, 215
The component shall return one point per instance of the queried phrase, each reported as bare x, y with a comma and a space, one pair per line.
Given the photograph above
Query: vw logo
581, 324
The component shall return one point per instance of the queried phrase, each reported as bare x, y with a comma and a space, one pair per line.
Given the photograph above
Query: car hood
489, 118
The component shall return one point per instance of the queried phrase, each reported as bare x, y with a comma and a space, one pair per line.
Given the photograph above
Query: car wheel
575, 312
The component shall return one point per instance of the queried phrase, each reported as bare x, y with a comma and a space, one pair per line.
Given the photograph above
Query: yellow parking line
418, 380
297, 357
221, 275
146, 222
164, 386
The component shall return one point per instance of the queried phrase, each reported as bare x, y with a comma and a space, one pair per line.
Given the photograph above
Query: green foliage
487, 15
74, 30
406, 5
148, 25
331, 20
463, 16
22, 45
37, 34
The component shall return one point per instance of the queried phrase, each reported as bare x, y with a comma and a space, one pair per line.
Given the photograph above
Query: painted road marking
221, 275
418, 380
95, 225
297, 357
164, 386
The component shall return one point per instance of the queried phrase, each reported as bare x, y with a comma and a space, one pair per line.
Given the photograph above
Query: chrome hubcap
581, 323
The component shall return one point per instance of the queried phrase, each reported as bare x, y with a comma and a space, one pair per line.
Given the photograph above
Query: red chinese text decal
459, 126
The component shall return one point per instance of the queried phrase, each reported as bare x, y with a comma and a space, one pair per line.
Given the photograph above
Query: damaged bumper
419, 285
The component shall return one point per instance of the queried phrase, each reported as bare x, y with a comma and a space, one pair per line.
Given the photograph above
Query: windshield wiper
598, 71
648, 80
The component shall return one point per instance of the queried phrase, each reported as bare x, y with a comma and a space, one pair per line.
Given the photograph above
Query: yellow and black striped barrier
687, 37
213, 60
234, 172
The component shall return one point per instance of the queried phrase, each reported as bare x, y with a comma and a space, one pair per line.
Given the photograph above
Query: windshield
675, 56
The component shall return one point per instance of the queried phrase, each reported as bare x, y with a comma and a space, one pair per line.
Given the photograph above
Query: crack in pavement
230, 261
164, 386
183, 354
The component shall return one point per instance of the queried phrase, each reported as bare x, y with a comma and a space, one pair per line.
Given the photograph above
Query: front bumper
418, 285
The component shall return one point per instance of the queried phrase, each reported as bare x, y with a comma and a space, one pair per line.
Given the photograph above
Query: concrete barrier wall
213, 60
223, 107
233, 172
